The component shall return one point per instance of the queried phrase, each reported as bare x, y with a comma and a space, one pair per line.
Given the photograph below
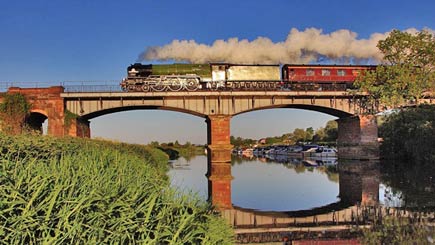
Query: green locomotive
192, 77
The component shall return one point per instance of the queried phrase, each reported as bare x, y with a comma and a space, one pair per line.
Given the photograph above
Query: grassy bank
83, 191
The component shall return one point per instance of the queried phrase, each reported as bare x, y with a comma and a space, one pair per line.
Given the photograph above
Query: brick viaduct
68, 114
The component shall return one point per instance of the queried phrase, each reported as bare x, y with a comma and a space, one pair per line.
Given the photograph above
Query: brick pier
219, 161
358, 138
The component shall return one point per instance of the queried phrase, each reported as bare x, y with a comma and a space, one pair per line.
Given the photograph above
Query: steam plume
310, 45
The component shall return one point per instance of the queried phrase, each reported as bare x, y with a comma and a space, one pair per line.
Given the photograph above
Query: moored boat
321, 151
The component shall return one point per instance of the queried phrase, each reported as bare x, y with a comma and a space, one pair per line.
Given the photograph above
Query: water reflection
282, 186
408, 184
290, 184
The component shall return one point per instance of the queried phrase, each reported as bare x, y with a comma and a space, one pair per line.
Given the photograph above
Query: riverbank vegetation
63, 191
405, 78
324, 135
409, 134
176, 150
396, 230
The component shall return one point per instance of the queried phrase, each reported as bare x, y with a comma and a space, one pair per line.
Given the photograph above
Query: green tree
309, 133
409, 134
406, 75
331, 131
299, 135
13, 112
319, 135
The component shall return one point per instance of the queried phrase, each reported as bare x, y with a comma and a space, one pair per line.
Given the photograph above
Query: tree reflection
414, 184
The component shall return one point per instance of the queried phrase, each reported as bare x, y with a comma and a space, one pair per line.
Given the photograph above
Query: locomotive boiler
233, 77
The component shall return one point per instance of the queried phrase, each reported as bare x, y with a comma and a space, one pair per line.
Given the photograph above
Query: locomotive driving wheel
175, 85
192, 84
158, 87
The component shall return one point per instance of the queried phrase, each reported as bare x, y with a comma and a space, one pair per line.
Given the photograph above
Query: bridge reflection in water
358, 187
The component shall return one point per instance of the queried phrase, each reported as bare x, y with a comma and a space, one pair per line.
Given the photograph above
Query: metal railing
70, 86
114, 86
4, 86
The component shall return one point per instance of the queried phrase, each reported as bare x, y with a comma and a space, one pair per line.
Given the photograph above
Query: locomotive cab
139, 70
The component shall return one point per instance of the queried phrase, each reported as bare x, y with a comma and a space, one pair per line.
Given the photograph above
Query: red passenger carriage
324, 77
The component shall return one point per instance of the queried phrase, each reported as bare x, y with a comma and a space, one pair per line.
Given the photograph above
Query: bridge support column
79, 127
219, 161
359, 182
358, 138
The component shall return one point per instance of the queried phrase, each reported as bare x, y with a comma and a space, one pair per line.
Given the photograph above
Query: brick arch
35, 119
43, 112
48, 102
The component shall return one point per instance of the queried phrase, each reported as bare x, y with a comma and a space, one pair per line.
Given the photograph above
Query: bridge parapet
206, 103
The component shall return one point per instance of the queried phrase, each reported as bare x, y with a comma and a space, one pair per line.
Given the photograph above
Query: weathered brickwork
219, 161
49, 103
357, 138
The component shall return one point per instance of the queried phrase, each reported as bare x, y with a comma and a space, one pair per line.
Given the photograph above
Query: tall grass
72, 191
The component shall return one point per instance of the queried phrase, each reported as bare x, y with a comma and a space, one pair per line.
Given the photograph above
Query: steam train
233, 77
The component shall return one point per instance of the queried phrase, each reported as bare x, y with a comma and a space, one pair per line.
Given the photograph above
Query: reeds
87, 192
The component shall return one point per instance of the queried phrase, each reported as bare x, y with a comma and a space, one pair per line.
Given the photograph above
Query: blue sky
82, 40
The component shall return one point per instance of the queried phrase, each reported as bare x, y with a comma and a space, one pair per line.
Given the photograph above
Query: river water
296, 184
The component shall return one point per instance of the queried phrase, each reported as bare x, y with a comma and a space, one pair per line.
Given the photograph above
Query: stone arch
327, 110
141, 107
35, 120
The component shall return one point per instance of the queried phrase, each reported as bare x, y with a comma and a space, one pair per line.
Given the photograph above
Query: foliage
394, 230
62, 191
175, 150
240, 142
68, 119
327, 135
409, 134
13, 112
407, 74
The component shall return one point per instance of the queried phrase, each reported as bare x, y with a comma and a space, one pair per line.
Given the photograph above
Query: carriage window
356, 72
326, 72
310, 72
341, 72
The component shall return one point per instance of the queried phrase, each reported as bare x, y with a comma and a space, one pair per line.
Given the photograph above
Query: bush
409, 133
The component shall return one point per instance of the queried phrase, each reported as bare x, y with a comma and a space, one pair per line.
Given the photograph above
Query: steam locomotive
233, 77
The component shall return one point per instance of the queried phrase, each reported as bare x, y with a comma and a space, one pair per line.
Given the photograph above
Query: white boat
294, 151
321, 151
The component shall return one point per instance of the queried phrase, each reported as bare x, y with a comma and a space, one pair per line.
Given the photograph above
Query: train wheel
131, 88
192, 85
158, 87
145, 87
175, 86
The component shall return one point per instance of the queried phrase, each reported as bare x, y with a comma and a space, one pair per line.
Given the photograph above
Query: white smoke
310, 45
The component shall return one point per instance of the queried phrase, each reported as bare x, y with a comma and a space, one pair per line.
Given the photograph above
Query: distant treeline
175, 150
324, 135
